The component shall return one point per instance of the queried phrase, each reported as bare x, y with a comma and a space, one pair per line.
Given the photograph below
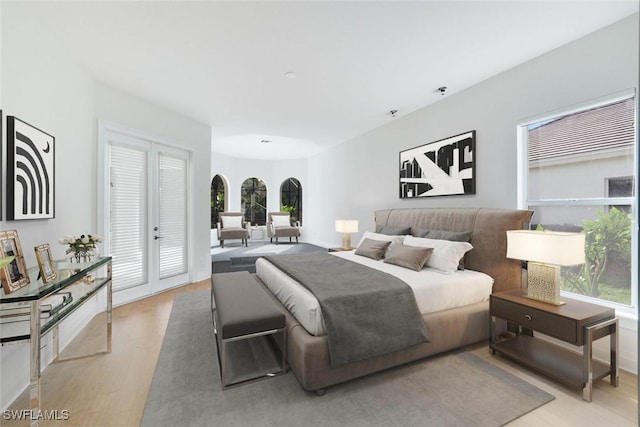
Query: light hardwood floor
111, 390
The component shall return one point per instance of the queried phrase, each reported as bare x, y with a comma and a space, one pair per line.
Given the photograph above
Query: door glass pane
128, 176
173, 215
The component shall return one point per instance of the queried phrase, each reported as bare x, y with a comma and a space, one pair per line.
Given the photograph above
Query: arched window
218, 198
253, 196
291, 198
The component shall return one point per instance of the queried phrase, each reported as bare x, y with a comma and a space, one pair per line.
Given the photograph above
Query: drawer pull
527, 316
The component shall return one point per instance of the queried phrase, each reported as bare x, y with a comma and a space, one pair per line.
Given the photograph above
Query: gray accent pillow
372, 248
452, 236
393, 231
408, 256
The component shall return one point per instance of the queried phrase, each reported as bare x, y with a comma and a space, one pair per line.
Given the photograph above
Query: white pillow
281, 220
380, 237
231, 221
446, 254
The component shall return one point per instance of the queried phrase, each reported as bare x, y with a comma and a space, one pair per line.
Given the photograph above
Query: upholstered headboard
489, 237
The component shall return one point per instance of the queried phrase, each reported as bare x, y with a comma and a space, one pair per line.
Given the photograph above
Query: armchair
279, 225
232, 226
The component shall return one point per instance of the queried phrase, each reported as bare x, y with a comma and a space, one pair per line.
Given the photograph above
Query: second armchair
279, 225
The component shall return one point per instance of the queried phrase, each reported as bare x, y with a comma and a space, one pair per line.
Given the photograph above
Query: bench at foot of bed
244, 317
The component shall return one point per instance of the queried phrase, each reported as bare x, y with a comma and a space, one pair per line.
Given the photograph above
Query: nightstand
577, 323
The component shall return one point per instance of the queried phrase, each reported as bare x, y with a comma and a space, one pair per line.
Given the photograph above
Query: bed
450, 325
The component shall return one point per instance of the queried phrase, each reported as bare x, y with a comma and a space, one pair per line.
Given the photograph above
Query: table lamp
346, 227
545, 252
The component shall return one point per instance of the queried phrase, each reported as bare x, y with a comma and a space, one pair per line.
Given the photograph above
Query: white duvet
434, 290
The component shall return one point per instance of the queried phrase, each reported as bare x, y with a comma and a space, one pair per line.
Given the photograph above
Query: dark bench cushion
243, 306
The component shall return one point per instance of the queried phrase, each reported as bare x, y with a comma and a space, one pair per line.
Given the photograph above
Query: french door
146, 206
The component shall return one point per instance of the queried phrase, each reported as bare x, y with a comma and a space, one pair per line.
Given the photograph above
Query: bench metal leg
221, 347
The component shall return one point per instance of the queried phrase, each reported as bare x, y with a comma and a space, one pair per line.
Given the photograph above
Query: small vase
84, 255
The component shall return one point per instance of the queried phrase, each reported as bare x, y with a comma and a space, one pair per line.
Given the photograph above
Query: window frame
523, 201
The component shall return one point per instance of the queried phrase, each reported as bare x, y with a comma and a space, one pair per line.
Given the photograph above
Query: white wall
41, 85
365, 170
359, 176
43, 89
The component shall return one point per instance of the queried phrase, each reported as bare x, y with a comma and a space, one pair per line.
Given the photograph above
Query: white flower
85, 240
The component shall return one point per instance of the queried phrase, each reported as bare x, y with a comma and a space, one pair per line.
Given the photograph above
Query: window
253, 196
291, 198
620, 187
577, 172
218, 198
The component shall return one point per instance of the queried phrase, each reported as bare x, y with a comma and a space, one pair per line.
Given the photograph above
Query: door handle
157, 237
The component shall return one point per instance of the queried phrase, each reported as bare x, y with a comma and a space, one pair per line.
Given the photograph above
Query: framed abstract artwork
14, 275
442, 168
30, 172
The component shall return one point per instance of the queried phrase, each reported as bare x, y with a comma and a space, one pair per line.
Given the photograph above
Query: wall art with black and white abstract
440, 168
30, 171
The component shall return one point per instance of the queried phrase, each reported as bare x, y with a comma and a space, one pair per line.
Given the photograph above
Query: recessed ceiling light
290, 75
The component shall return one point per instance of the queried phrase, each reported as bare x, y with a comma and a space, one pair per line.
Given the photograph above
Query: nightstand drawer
538, 320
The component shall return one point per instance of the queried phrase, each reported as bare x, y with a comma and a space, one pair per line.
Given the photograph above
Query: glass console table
22, 317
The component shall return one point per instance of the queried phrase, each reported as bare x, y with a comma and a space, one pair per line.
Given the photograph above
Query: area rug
456, 389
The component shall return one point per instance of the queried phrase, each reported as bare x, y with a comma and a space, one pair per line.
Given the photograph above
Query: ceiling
225, 63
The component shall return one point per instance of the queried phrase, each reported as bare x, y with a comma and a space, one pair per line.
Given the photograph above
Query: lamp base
346, 241
543, 283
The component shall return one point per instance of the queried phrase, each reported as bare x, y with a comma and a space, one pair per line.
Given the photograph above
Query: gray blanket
366, 312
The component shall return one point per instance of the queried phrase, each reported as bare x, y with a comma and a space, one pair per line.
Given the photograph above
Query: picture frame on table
441, 168
45, 263
14, 275
30, 177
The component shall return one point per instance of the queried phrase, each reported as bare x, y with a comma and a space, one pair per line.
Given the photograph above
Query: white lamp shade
346, 226
547, 247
